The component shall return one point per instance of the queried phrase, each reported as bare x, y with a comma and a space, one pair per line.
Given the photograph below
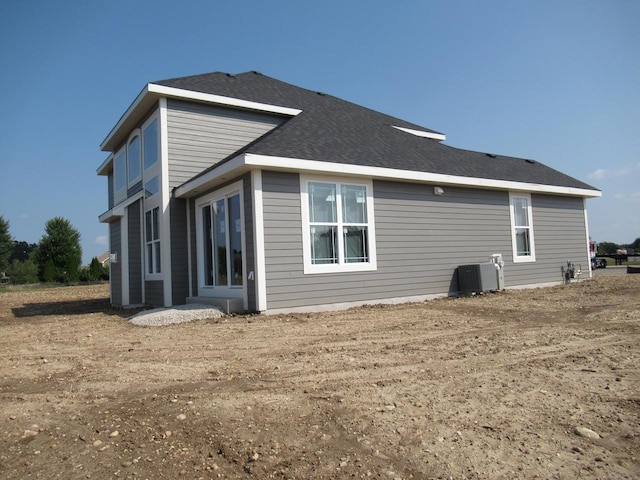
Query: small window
152, 187
338, 227
133, 159
522, 228
150, 143
152, 241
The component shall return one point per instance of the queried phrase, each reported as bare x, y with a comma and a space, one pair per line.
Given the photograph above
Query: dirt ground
492, 386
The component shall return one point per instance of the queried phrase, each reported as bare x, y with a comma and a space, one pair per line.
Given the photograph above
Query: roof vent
231, 75
491, 155
322, 93
530, 161
255, 72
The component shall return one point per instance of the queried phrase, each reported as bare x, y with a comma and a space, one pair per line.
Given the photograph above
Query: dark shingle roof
333, 130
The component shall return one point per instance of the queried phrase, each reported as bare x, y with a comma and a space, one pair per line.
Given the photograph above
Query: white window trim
149, 205
310, 268
522, 258
239, 291
132, 181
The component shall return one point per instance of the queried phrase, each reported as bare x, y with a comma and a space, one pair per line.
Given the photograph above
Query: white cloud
601, 173
628, 197
102, 240
598, 174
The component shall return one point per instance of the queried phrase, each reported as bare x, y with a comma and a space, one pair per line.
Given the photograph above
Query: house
258, 195
104, 259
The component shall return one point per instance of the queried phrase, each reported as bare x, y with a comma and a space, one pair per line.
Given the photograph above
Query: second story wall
200, 135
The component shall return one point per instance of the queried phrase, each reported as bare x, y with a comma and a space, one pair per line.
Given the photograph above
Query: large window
134, 160
221, 240
338, 231
120, 176
152, 241
150, 141
522, 228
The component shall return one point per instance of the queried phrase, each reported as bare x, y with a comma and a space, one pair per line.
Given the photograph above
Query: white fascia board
420, 133
300, 165
106, 167
187, 189
141, 96
219, 99
118, 210
265, 161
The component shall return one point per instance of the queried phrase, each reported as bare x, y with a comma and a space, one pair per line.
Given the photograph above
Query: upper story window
120, 176
134, 160
138, 160
338, 226
150, 143
522, 227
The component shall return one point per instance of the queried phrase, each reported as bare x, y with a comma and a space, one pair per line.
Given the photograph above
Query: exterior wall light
438, 190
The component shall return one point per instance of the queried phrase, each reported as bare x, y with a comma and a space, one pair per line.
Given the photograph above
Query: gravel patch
158, 317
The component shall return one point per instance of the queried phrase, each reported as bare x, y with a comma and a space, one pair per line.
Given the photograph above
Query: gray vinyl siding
179, 251
135, 252
115, 268
154, 292
559, 231
199, 136
421, 239
249, 245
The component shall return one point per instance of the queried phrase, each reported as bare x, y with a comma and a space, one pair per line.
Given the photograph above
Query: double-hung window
522, 228
152, 241
338, 228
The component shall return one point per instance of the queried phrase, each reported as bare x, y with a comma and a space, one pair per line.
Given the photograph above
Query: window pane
150, 258
235, 239
151, 187
355, 245
323, 244
322, 202
121, 171
134, 159
220, 242
207, 241
156, 230
354, 204
150, 139
523, 246
521, 211
147, 227
156, 246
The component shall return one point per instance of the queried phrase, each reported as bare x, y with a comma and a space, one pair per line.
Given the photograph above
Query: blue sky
555, 81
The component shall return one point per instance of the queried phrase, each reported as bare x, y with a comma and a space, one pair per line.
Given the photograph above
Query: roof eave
248, 161
152, 92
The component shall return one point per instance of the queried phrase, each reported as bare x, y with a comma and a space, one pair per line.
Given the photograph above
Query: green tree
6, 244
607, 248
22, 250
59, 253
96, 270
23, 271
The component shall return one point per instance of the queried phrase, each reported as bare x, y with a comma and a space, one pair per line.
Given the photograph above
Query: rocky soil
540, 383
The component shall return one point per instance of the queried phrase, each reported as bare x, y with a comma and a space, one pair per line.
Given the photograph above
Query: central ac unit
477, 278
